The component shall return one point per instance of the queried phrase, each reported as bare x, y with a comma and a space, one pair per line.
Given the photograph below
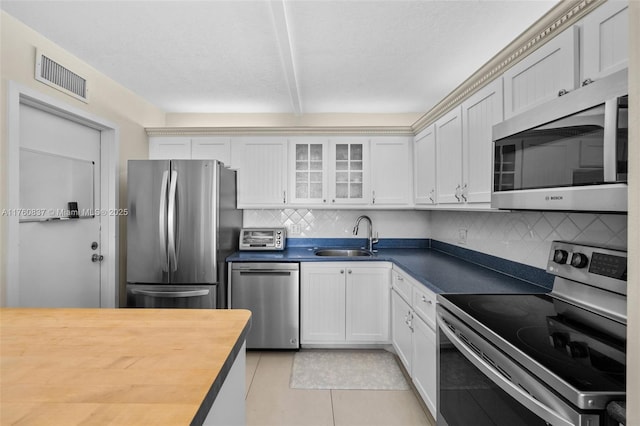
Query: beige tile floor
270, 401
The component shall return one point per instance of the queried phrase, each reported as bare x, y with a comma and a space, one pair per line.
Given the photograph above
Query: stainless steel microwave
568, 154
263, 238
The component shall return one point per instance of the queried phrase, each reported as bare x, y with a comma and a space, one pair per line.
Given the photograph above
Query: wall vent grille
53, 74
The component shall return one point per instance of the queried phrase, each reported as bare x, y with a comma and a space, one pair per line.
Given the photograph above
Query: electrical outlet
295, 229
462, 235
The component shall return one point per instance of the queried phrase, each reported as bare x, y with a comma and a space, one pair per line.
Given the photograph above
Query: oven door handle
515, 392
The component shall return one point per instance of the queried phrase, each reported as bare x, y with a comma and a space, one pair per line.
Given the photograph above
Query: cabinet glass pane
356, 177
301, 165
356, 190
315, 177
315, 165
342, 165
356, 152
302, 191
316, 152
342, 190
315, 190
302, 177
342, 152
356, 165
342, 177
302, 152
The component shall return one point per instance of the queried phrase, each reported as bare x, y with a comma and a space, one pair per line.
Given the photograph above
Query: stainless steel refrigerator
182, 224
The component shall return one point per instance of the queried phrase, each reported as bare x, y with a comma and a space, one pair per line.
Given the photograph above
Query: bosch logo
554, 198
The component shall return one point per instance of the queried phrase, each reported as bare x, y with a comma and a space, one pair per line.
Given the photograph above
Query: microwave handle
610, 140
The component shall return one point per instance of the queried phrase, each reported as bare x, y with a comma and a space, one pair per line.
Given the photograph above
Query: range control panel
604, 267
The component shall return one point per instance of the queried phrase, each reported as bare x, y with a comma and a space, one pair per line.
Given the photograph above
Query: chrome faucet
372, 240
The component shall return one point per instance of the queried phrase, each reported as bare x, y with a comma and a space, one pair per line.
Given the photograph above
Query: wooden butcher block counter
117, 366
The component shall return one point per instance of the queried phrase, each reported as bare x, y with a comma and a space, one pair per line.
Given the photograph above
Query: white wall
107, 99
339, 223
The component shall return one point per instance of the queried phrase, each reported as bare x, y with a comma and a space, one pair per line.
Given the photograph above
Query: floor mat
346, 369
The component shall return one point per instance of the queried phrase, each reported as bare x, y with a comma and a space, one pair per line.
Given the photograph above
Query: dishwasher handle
272, 272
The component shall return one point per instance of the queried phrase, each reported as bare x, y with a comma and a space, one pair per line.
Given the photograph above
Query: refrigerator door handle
171, 294
173, 258
162, 215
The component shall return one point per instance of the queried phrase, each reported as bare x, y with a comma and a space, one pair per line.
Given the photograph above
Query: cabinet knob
587, 82
562, 92
350, 271
342, 271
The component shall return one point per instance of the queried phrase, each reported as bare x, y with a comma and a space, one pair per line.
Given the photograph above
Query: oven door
479, 385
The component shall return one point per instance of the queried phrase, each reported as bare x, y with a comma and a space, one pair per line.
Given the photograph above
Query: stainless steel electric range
538, 359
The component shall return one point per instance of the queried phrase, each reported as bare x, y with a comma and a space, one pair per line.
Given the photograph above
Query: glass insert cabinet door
349, 172
310, 166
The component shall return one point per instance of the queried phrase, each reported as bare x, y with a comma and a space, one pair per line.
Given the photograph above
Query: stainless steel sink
343, 252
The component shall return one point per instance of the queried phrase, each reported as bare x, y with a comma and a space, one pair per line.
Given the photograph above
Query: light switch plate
295, 229
462, 235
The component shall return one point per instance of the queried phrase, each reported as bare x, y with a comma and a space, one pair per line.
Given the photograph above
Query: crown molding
277, 131
559, 18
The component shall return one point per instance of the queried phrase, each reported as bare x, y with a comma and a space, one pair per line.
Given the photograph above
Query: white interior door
59, 163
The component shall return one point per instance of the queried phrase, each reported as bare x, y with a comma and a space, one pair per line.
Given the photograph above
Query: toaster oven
263, 238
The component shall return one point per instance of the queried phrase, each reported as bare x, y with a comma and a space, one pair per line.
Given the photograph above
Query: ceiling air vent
55, 75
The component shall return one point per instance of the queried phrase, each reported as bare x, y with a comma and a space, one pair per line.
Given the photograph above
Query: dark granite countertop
441, 267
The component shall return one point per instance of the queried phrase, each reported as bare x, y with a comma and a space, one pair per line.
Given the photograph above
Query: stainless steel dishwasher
271, 291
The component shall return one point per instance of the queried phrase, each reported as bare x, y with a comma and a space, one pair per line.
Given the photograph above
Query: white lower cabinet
414, 336
344, 303
402, 332
424, 368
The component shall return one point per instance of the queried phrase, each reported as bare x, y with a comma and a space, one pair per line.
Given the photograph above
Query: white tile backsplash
526, 237
339, 223
523, 237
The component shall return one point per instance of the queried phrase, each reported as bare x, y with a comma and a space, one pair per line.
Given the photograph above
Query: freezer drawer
271, 291
171, 296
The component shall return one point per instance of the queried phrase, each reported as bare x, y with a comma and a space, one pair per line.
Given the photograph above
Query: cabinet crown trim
281, 131
559, 18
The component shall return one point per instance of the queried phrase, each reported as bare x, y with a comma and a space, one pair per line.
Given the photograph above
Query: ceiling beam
284, 37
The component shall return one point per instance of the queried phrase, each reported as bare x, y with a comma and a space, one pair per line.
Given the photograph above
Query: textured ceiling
295, 56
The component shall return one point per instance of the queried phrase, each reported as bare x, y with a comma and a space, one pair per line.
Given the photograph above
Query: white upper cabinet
169, 148
605, 40
391, 179
309, 170
479, 114
543, 74
449, 157
212, 148
424, 166
349, 171
329, 172
187, 148
262, 176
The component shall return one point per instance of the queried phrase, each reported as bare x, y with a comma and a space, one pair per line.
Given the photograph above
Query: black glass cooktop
584, 349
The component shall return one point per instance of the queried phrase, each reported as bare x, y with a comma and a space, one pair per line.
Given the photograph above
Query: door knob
97, 258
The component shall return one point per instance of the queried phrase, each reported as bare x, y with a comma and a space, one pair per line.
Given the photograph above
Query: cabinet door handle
457, 193
463, 193
562, 92
284, 197
432, 194
587, 82
373, 197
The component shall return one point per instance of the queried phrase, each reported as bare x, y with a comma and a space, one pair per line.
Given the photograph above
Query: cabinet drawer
402, 285
424, 303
